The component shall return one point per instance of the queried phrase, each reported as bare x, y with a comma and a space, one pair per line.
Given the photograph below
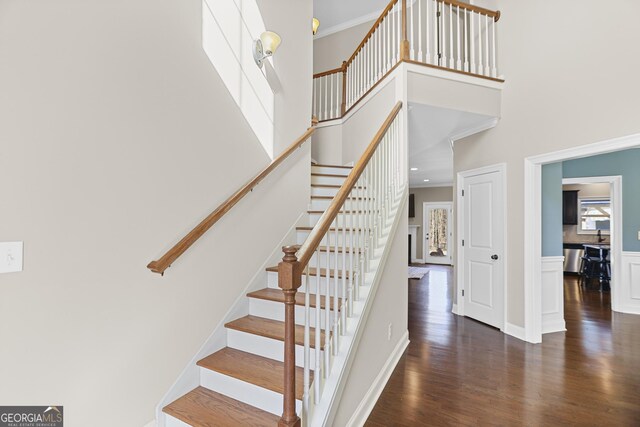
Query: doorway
482, 245
436, 224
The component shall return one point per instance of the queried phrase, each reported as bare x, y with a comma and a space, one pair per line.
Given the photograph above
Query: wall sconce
315, 25
265, 46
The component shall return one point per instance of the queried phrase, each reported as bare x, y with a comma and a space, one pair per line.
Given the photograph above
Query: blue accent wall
627, 164
552, 209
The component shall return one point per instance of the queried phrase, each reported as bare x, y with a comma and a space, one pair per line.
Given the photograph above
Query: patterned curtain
438, 232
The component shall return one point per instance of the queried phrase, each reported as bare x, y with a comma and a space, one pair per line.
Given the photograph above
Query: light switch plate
10, 257
638, 235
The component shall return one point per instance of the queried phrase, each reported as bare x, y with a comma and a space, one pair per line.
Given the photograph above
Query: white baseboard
454, 309
515, 331
417, 261
367, 404
627, 290
550, 327
151, 424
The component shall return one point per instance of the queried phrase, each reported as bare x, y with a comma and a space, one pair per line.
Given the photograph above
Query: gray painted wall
624, 163
552, 209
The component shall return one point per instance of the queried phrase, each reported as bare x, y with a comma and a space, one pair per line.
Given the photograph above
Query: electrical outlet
10, 257
389, 331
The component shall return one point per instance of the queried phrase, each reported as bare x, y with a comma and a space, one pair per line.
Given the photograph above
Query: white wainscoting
552, 294
628, 292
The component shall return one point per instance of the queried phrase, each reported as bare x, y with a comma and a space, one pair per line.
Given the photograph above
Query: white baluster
443, 42
427, 30
327, 307
412, 52
473, 42
330, 95
487, 67
434, 23
459, 61
317, 330
451, 58
480, 56
399, 29
420, 57
336, 311
466, 42
494, 47
307, 344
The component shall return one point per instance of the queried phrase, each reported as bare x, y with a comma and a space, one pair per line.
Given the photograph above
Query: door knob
494, 257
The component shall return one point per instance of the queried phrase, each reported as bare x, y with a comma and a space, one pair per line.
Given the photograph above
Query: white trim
369, 400
450, 75
502, 169
434, 185
552, 288
454, 309
151, 424
514, 331
489, 124
630, 290
324, 32
533, 222
450, 245
419, 261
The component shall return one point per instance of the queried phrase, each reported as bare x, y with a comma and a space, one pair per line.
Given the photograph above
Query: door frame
532, 331
450, 245
500, 168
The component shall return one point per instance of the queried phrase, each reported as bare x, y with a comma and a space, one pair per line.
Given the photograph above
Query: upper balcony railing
444, 34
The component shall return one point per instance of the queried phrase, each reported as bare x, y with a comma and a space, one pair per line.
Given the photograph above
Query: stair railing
343, 241
164, 262
444, 34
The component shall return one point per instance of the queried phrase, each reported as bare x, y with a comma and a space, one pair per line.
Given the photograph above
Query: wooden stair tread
333, 197
328, 174
307, 228
340, 212
331, 166
272, 329
314, 272
276, 295
332, 186
250, 368
340, 249
205, 408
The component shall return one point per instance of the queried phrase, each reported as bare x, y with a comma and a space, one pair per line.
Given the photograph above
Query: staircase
241, 384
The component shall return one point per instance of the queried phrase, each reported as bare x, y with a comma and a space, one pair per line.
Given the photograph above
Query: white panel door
483, 248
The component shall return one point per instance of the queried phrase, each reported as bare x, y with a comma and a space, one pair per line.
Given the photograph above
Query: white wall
389, 308
329, 51
561, 91
117, 137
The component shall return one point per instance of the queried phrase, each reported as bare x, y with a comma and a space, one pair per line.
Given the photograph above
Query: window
595, 215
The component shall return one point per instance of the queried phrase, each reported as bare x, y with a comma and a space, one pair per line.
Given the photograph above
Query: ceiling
335, 15
430, 130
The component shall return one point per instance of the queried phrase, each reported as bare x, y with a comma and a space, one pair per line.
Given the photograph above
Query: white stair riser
275, 311
301, 236
248, 393
262, 346
272, 282
343, 219
323, 204
324, 191
330, 170
327, 180
174, 422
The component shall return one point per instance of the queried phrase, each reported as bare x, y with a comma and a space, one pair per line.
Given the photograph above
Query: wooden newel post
289, 280
344, 88
404, 44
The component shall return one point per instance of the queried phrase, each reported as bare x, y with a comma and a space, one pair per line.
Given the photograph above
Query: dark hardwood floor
460, 372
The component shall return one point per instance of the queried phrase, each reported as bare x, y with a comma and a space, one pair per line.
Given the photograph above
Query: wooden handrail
317, 234
495, 14
328, 73
384, 13
179, 248
292, 266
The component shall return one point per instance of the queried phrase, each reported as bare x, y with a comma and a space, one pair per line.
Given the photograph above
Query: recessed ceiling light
414, 169
426, 180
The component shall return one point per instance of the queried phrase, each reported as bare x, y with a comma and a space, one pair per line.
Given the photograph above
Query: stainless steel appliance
572, 257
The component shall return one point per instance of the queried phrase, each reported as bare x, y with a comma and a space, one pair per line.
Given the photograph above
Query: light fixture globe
315, 24
265, 46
